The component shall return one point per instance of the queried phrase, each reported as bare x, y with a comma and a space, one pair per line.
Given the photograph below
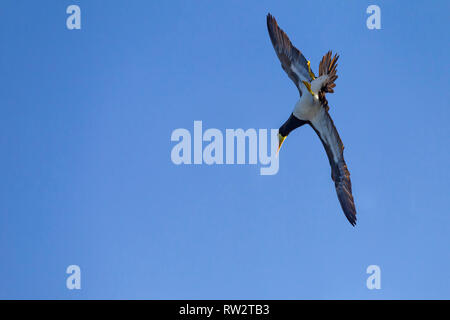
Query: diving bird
312, 108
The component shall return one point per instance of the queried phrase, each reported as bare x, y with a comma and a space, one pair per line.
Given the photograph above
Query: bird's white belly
307, 107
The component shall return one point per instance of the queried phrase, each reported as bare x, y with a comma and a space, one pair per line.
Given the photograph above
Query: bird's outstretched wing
324, 127
292, 60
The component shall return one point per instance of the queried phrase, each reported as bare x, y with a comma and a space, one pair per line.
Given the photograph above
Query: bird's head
292, 123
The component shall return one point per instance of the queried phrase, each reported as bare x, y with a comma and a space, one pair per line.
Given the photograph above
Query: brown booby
312, 108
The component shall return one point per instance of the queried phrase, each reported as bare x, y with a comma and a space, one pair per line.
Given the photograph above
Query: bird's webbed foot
311, 74
308, 86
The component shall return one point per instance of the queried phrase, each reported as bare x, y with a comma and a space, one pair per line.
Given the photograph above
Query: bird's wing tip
271, 19
351, 218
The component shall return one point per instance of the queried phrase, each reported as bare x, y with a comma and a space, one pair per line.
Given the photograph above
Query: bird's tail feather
328, 66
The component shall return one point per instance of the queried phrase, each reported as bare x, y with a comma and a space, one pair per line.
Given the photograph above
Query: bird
312, 108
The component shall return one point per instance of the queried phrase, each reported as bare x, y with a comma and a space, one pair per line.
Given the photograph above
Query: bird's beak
280, 142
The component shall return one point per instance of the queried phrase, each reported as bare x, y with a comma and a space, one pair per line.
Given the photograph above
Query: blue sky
87, 178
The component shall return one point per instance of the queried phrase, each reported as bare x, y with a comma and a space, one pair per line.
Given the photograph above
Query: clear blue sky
87, 179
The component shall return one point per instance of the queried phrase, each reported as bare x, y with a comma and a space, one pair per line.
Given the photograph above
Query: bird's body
312, 108
308, 106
